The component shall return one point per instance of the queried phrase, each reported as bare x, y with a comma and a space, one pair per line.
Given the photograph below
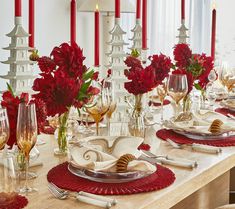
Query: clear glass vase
62, 134
136, 124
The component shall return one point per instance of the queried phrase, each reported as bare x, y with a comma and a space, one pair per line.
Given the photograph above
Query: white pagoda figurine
182, 33
20, 75
117, 65
137, 37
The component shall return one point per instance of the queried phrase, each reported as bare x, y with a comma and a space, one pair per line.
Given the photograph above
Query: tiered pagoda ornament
20, 75
117, 56
137, 37
182, 33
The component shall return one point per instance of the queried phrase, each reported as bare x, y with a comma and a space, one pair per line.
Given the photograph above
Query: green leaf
88, 75
10, 89
198, 87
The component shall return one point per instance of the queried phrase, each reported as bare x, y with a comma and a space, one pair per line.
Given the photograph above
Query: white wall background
52, 27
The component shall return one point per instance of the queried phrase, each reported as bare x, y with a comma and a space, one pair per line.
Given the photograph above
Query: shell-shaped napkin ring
215, 127
123, 161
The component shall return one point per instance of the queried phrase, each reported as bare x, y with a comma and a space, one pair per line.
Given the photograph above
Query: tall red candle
213, 34
18, 8
144, 25
182, 9
117, 8
138, 9
73, 22
31, 23
97, 37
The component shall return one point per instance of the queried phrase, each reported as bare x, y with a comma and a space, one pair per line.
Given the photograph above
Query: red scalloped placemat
60, 176
225, 111
158, 104
178, 138
12, 201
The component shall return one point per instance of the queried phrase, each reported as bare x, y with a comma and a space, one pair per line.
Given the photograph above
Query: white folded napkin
102, 154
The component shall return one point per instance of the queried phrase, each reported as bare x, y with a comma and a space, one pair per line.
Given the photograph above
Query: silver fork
93, 196
62, 195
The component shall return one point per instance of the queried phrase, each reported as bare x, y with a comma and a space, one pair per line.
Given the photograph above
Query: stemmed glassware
162, 92
4, 128
227, 78
98, 107
26, 134
177, 88
108, 93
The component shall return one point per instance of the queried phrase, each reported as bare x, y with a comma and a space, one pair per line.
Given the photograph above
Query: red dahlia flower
182, 55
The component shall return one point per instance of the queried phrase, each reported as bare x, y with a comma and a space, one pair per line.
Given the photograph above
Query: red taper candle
138, 9
73, 22
97, 37
18, 8
213, 34
117, 8
144, 25
182, 9
31, 23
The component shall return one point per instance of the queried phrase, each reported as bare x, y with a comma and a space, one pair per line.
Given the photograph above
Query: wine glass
108, 92
162, 92
177, 88
226, 77
26, 133
4, 128
97, 108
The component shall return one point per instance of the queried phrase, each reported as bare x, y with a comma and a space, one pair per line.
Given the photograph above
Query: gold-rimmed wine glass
108, 93
4, 128
162, 92
26, 133
97, 112
177, 88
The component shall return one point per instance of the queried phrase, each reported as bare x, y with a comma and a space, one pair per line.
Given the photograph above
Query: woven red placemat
158, 104
12, 201
178, 138
60, 176
225, 111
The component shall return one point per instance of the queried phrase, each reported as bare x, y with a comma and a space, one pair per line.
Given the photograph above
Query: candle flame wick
97, 7
214, 5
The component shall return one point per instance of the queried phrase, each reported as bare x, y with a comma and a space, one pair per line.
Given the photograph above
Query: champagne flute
162, 92
26, 133
177, 88
4, 128
108, 92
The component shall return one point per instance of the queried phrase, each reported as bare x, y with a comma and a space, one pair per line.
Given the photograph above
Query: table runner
178, 138
60, 176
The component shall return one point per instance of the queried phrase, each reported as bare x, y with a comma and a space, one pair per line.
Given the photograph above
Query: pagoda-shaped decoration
117, 56
182, 33
137, 37
20, 75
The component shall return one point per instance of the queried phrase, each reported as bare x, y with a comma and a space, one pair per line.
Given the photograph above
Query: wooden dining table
204, 187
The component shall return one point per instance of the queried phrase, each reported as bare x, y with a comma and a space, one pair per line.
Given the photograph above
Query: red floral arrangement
143, 80
65, 81
197, 67
11, 103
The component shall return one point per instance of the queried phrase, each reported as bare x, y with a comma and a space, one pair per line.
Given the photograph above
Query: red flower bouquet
65, 81
197, 67
143, 80
11, 103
